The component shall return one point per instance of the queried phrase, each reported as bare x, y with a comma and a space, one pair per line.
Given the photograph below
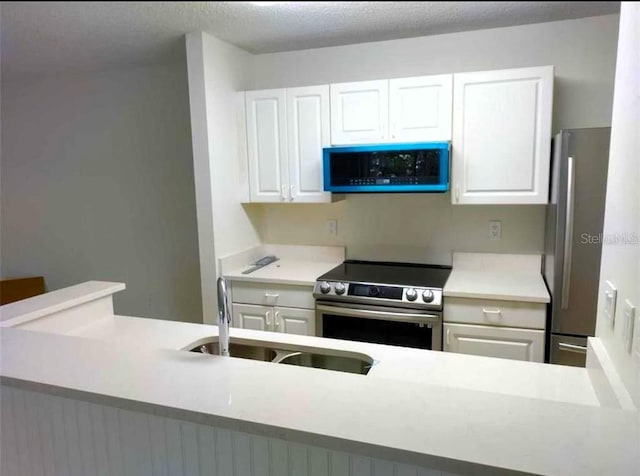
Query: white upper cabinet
286, 131
502, 136
499, 123
308, 132
359, 112
420, 108
267, 145
398, 110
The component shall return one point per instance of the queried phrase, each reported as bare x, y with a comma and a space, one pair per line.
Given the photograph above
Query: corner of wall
202, 172
621, 234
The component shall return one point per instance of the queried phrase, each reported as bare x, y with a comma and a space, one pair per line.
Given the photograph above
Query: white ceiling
51, 37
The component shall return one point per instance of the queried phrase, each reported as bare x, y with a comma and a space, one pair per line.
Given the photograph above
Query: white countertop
419, 410
496, 285
285, 271
502, 277
297, 265
51, 302
461, 413
525, 379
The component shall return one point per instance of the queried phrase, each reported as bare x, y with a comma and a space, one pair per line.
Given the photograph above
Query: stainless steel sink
303, 357
241, 351
328, 362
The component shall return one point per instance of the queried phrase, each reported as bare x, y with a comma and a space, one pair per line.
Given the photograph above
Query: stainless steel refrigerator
573, 240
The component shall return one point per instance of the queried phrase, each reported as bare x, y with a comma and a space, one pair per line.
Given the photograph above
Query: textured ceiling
50, 37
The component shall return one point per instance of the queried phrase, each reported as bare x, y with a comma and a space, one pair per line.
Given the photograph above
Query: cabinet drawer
489, 341
530, 315
273, 294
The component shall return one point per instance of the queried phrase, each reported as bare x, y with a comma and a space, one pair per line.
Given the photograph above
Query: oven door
380, 325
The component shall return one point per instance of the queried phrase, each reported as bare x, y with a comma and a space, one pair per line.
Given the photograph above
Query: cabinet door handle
283, 194
293, 193
491, 311
268, 319
274, 296
448, 336
457, 193
277, 319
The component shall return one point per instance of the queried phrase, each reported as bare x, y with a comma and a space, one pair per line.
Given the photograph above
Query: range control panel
381, 294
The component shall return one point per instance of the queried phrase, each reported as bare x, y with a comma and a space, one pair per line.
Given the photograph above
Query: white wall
217, 71
406, 226
97, 183
621, 261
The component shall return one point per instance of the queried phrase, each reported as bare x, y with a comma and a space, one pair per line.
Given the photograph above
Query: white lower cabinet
257, 318
489, 341
295, 321
288, 320
494, 328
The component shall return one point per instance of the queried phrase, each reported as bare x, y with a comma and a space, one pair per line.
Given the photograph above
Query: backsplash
405, 227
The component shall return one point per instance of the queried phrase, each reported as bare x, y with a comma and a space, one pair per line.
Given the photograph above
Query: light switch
629, 324
610, 295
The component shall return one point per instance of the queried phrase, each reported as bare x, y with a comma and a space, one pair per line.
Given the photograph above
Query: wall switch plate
495, 229
610, 295
629, 324
332, 227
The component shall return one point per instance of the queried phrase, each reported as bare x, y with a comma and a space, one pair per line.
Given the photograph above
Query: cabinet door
502, 136
308, 132
420, 108
267, 145
258, 318
295, 321
503, 342
359, 112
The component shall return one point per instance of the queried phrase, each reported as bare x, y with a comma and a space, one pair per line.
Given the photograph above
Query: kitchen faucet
224, 318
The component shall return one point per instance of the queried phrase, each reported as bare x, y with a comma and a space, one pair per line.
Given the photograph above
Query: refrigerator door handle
568, 233
578, 349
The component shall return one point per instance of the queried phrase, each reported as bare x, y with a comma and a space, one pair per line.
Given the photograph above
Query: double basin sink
336, 360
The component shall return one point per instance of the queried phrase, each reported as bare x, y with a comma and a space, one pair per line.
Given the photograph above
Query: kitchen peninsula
138, 401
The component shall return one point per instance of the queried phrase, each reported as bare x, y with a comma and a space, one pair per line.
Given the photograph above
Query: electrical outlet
495, 229
610, 295
332, 227
629, 324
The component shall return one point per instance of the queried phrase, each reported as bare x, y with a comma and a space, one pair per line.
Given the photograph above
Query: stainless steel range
384, 303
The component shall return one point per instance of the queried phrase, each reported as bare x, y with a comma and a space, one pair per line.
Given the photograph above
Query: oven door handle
381, 315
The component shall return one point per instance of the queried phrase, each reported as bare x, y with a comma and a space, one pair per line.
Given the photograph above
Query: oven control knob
373, 291
340, 288
412, 295
325, 287
428, 296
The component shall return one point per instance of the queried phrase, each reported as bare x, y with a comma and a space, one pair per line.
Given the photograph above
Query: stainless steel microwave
414, 167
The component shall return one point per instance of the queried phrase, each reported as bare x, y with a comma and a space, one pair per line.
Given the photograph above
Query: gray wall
97, 183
